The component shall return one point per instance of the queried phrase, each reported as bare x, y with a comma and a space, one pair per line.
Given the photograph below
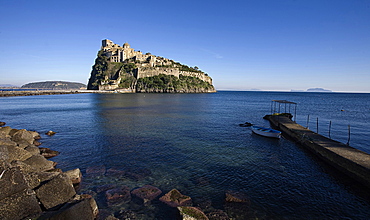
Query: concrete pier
353, 162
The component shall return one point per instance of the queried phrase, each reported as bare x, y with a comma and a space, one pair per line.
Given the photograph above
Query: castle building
116, 53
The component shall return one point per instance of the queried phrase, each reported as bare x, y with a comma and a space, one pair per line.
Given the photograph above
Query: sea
194, 143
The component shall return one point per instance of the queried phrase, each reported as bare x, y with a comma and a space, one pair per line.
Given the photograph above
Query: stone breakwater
39, 92
350, 161
30, 185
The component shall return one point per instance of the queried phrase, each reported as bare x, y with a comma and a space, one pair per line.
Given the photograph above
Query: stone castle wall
150, 72
148, 64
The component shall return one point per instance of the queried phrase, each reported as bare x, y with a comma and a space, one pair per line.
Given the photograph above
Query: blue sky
243, 45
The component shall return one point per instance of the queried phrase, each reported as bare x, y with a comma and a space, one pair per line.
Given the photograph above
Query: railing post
349, 134
329, 128
317, 125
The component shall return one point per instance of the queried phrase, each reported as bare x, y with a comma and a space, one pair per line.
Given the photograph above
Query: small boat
267, 132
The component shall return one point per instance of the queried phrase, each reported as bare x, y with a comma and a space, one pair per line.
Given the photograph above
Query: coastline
61, 92
41, 92
31, 187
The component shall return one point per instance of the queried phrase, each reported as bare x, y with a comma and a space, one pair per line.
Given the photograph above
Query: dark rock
13, 131
35, 179
39, 163
238, 205
47, 153
232, 196
174, 199
246, 124
50, 133
20, 206
55, 191
81, 209
23, 135
126, 214
74, 175
25, 168
12, 181
96, 170
118, 195
104, 214
147, 193
2, 123
190, 213
6, 129
36, 143
36, 135
7, 142
33, 150
17, 153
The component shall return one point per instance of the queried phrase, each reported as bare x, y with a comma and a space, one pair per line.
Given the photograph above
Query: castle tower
107, 43
126, 45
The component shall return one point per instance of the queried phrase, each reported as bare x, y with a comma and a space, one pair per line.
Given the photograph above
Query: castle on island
119, 68
116, 53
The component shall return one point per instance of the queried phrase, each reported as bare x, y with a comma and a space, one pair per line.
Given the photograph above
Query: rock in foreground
31, 187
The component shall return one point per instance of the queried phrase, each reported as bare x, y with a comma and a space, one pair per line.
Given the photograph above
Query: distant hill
318, 90
7, 85
55, 85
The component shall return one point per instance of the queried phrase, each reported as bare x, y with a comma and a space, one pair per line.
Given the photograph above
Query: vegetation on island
170, 83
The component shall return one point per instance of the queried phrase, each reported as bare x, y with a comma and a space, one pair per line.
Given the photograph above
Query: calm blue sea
193, 142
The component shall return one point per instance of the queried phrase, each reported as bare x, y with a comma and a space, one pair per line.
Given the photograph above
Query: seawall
351, 161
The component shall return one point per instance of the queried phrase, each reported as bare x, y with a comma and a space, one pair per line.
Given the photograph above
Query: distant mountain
318, 90
55, 85
7, 85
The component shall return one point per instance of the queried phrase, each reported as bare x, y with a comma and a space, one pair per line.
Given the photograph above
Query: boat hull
266, 132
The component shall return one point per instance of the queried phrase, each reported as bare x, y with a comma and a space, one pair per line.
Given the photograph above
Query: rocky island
55, 85
122, 69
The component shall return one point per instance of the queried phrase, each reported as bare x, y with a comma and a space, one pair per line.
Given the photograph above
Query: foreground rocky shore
30, 185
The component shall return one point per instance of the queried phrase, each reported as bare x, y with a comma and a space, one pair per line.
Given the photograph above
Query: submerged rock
118, 195
174, 199
147, 193
232, 196
191, 213
96, 170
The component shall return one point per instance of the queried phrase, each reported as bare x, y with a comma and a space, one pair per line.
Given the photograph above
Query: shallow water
193, 142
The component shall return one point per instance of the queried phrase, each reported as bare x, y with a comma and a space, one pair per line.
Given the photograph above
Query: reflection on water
192, 142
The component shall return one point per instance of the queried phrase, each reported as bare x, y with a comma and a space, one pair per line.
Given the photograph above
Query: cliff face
124, 70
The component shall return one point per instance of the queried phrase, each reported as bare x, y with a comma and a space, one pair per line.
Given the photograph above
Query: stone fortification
119, 67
